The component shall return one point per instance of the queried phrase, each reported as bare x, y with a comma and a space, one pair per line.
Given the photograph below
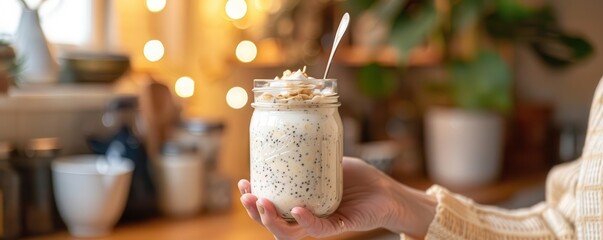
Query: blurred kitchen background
483, 97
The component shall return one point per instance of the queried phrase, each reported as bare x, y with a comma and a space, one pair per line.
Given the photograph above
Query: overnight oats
296, 143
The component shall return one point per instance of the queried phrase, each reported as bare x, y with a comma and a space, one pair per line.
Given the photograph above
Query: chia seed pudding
296, 143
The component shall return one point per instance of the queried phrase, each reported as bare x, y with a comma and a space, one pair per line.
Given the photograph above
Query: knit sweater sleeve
458, 217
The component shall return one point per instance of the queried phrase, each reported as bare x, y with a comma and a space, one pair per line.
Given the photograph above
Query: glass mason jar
10, 200
296, 145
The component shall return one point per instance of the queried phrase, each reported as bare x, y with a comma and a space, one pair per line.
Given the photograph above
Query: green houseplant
475, 39
470, 34
9, 66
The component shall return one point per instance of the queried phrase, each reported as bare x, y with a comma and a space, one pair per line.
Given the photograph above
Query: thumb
318, 227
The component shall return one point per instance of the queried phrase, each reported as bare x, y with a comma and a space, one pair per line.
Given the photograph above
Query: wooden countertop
232, 225
504, 189
236, 225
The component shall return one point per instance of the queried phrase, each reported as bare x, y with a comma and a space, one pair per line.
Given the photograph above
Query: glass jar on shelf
39, 211
10, 200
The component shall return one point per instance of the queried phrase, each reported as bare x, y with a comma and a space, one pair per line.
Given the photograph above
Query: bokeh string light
153, 50
236, 97
156, 5
236, 9
246, 51
185, 87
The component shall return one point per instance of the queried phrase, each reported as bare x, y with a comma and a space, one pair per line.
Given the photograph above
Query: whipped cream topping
297, 88
300, 74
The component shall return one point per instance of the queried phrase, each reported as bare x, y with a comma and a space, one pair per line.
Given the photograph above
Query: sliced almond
294, 92
266, 97
305, 97
306, 91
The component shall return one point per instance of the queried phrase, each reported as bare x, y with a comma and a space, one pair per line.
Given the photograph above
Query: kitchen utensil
343, 25
160, 114
121, 121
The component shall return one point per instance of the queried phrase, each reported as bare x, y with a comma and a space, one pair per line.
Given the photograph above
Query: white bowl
91, 194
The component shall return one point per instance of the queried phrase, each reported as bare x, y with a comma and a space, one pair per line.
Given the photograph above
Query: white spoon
343, 25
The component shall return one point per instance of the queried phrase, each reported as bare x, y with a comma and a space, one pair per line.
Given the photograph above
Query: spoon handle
343, 25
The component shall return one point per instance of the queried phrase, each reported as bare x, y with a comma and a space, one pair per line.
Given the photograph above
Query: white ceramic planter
463, 147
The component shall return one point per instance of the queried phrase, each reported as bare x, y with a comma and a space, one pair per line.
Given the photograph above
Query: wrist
413, 211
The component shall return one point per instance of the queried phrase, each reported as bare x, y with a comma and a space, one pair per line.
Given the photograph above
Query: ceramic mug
180, 182
90, 193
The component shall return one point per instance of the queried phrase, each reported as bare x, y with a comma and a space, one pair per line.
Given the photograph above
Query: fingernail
341, 223
243, 191
295, 215
260, 208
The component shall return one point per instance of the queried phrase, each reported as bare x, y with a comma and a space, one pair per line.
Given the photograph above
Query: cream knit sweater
573, 208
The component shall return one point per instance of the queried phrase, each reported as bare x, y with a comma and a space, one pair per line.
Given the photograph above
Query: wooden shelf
359, 56
387, 56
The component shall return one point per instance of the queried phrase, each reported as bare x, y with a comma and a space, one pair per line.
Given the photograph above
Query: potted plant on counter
8, 65
476, 41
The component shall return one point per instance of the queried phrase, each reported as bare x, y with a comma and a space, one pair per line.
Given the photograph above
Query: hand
368, 202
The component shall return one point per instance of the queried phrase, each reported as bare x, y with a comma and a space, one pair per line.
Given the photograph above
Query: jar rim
290, 84
309, 79
270, 105
294, 93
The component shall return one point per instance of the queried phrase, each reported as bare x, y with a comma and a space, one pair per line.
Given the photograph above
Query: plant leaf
376, 81
408, 31
465, 12
532, 24
512, 10
387, 10
562, 50
356, 7
483, 83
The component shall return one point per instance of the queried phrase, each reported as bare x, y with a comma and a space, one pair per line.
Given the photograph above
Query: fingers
264, 212
274, 223
318, 227
248, 200
244, 186
352, 159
